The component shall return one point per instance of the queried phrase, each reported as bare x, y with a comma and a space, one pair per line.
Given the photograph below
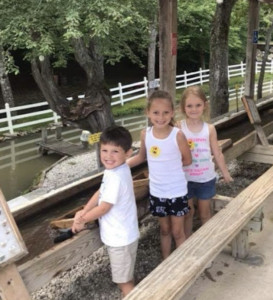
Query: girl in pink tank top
202, 140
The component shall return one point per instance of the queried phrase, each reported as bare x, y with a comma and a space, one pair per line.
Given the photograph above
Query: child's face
113, 156
194, 107
160, 113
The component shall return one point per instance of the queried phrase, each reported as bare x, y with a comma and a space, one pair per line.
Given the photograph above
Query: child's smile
160, 113
112, 156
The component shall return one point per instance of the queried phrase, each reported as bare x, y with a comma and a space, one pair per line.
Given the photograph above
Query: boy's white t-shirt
119, 226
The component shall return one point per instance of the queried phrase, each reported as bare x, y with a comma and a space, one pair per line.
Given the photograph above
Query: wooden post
12, 285
58, 133
240, 245
252, 40
168, 45
254, 117
44, 135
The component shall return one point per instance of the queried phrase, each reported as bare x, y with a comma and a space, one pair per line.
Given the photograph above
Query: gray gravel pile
90, 279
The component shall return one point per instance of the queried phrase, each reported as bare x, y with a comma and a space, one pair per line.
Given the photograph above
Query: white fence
125, 93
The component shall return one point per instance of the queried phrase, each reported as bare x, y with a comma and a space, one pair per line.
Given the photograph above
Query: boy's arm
218, 155
184, 148
81, 219
94, 200
141, 156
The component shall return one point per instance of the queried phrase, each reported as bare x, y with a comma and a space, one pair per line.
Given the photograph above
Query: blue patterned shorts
163, 207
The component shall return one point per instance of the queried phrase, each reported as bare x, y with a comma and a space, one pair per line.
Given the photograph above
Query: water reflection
20, 160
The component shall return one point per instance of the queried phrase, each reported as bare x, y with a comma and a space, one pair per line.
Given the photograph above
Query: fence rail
125, 93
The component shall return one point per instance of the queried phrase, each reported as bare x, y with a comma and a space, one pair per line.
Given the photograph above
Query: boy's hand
228, 178
78, 223
77, 227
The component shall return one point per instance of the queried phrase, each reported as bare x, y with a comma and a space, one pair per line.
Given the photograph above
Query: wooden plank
234, 117
254, 117
259, 154
172, 278
246, 143
40, 270
224, 144
12, 286
251, 49
219, 202
255, 224
62, 147
261, 135
55, 196
251, 110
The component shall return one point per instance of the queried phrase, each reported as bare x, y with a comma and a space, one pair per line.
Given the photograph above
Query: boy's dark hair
118, 136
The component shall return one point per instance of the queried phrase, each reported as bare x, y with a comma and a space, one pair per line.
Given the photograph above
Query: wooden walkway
58, 145
61, 147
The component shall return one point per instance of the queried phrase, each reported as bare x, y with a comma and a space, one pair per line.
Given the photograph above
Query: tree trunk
218, 81
266, 51
152, 53
92, 113
4, 81
97, 101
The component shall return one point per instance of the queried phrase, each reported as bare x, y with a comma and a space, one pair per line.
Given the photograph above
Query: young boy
115, 206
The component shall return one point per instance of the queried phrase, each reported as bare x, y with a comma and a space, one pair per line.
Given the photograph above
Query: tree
4, 80
194, 21
265, 56
51, 32
218, 81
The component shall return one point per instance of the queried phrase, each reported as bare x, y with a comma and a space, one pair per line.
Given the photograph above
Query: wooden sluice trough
235, 217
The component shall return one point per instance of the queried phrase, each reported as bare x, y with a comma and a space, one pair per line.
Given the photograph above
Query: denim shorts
202, 190
163, 207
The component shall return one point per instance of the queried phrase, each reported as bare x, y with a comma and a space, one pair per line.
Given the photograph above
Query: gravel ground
90, 279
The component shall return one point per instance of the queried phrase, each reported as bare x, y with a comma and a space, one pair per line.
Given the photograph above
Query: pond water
20, 160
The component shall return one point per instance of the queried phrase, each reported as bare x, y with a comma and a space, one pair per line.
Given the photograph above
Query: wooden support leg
44, 135
58, 133
12, 285
240, 246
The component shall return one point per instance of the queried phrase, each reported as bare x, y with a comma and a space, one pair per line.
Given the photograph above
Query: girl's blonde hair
160, 94
197, 91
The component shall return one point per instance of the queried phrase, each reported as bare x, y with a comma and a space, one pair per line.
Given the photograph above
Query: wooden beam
40, 270
246, 143
259, 154
11, 284
255, 224
55, 196
168, 45
252, 40
172, 278
255, 119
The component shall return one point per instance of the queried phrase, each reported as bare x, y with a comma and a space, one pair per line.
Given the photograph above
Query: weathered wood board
259, 154
171, 279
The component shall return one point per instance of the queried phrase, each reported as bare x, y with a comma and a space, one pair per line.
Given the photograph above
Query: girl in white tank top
166, 150
202, 140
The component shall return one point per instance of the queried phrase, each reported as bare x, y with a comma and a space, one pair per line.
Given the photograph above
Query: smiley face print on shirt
191, 144
155, 151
